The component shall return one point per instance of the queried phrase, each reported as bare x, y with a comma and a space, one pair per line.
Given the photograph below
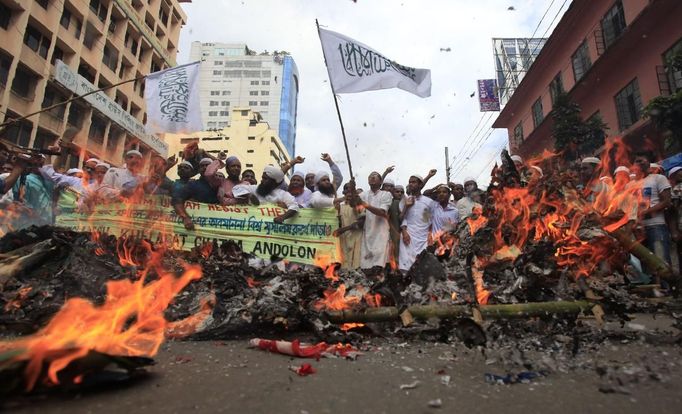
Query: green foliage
573, 137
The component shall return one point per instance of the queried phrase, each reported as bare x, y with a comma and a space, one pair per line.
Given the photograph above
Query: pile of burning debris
532, 253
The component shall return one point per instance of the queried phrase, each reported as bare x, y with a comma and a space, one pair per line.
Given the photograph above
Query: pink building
609, 57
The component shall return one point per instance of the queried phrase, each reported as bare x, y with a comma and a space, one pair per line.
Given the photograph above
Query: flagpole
336, 103
48, 108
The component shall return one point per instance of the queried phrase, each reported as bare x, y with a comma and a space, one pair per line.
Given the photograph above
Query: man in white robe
375, 233
416, 224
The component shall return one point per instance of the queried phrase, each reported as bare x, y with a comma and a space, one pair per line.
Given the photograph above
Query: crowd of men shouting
384, 224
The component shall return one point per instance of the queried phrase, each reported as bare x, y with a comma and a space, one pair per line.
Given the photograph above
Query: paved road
229, 377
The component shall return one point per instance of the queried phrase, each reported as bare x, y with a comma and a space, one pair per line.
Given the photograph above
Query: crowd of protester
385, 225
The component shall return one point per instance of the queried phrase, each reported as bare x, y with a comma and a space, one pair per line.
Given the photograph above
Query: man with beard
325, 194
416, 223
129, 176
376, 230
388, 185
465, 204
298, 189
198, 190
336, 174
268, 191
457, 191
233, 167
349, 232
590, 185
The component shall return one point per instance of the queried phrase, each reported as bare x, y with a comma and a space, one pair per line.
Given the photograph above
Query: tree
573, 137
666, 111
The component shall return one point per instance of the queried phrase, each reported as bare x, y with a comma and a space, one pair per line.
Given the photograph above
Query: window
254, 82
629, 105
212, 113
538, 115
36, 41
76, 114
613, 23
43, 3
110, 57
17, 132
253, 93
245, 113
5, 63
57, 53
225, 103
265, 82
98, 126
250, 151
210, 125
251, 138
65, 20
263, 93
99, 9
52, 97
556, 87
253, 103
264, 103
214, 93
581, 61
225, 93
217, 73
674, 76
249, 165
213, 103
5, 16
222, 124
518, 134
43, 139
24, 83
224, 113
218, 62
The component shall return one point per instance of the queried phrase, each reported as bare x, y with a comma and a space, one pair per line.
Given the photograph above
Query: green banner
299, 240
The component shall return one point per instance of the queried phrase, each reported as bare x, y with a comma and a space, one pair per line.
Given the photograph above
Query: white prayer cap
274, 172
673, 171
621, 168
389, 181
538, 169
517, 158
604, 178
95, 160
219, 174
466, 180
134, 152
398, 187
633, 176
590, 160
300, 173
418, 177
320, 175
654, 165
205, 161
102, 164
186, 164
72, 171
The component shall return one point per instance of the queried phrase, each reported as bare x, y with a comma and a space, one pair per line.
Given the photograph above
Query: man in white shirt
445, 214
655, 199
465, 205
128, 177
416, 224
267, 191
325, 194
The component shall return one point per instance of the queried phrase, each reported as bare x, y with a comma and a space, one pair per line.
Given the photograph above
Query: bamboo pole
423, 312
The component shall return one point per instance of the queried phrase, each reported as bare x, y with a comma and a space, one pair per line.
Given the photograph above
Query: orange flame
349, 326
482, 294
335, 299
324, 262
80, 326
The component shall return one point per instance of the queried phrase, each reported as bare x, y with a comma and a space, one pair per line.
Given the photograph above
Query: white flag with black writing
354, 67
172, 98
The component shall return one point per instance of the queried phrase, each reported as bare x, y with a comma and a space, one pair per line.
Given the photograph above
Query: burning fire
324, 262
129, 323
348, 326
335, 299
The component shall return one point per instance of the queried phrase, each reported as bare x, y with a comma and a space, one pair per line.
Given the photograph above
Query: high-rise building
513, 58
611, 58
248, 137
232, 75
52, 50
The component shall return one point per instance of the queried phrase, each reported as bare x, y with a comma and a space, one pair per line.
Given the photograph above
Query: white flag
172, 98
354, 67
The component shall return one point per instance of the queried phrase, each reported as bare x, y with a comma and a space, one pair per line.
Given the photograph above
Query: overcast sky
388, 127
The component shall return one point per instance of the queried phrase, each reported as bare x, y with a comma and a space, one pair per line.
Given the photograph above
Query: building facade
513, 58
610, 57
248, 137
234, 76
52, 50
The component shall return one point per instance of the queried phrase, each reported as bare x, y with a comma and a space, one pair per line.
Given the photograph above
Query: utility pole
447, 165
